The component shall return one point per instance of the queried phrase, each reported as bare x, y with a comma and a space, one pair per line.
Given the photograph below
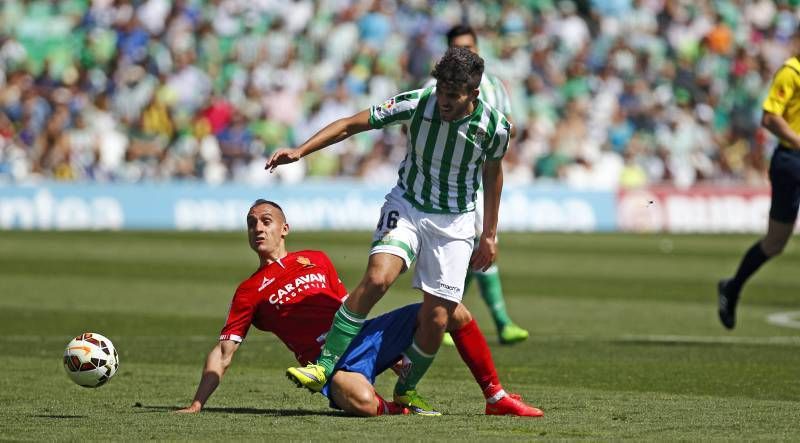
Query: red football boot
509, 405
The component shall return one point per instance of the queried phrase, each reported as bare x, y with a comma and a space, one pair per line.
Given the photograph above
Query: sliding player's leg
395, 244
354, 394
382, 270
377, 347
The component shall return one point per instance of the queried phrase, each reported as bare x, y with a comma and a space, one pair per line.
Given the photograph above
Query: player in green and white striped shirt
455, 141
441, 171
494, 93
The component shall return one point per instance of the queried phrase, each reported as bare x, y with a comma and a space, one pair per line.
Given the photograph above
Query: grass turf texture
625, 342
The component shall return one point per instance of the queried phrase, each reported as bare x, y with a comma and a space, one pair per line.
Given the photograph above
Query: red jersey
294, 298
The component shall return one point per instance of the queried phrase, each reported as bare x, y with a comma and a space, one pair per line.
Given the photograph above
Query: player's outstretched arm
486, 252
217, 362
333, 133
780, 128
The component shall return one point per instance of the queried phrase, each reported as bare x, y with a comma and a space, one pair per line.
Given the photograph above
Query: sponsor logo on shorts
450, 288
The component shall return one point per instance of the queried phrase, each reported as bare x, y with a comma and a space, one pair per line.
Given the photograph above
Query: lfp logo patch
388, 104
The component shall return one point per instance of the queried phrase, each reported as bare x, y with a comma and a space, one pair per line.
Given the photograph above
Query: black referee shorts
784, 173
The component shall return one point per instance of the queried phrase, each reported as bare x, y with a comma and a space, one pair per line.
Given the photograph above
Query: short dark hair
262, 201
458, 31
459, 67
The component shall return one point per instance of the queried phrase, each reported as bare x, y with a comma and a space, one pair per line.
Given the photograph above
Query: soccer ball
90, 360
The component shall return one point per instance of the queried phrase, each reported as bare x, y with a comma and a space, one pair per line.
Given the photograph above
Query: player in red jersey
295, 295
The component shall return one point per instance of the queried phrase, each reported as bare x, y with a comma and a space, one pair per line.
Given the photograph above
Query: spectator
654, 91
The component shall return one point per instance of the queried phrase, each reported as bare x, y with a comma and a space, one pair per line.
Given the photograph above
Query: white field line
786, 319
654, 338
212, 338
712, 339
782, 340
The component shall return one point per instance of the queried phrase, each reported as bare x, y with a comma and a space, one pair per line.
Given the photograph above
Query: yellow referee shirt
784, 94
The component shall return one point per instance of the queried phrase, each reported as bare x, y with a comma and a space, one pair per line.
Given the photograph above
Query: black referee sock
751, 261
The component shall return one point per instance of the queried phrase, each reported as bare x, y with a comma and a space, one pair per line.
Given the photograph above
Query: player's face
465, 41
454, 102
266, 229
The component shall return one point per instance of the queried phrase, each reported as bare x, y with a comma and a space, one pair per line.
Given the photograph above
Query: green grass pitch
625, 342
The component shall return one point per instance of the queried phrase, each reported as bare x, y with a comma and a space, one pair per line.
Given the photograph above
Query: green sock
420, 362
346, 325
492, 293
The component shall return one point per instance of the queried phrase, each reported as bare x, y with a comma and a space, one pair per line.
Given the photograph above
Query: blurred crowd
605, 93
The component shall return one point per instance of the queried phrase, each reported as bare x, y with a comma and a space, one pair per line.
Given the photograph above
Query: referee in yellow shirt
782, 118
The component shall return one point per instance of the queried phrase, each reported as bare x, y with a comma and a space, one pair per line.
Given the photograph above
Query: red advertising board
698, 209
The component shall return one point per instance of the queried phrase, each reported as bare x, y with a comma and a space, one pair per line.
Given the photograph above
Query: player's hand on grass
281, 157
484, 254
193, 409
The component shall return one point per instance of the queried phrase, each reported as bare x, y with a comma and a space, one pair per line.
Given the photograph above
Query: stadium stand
607, 93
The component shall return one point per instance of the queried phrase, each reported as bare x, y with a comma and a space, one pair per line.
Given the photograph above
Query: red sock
474, 350
388, 408
383, 408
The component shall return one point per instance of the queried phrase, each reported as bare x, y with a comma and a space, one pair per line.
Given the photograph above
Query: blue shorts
784, 173
379, 345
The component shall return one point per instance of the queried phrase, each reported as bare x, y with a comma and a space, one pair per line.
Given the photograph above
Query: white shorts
441, 244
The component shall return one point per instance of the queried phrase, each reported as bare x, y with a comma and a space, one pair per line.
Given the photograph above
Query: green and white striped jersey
442, 170
493, 92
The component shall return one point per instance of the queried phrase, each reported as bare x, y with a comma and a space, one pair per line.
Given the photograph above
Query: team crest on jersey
480, 136
305, 262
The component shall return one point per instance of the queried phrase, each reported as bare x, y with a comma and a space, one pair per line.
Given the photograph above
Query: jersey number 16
390, 218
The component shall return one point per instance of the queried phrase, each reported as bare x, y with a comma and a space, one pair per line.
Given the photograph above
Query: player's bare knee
360, 402
378, 280
773, 246
778, 234
437, 317
354, 394
363, 402
376, 285
771, 250
460, 317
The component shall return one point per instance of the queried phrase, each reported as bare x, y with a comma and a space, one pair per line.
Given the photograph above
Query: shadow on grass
251, 411
58, 416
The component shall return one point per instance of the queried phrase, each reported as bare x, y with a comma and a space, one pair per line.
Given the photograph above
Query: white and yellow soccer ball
91, 360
